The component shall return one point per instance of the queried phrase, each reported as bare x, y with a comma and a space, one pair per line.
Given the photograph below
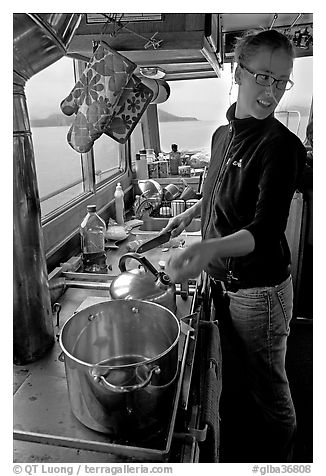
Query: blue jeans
258, 325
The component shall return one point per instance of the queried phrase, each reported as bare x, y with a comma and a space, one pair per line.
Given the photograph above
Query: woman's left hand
188, 263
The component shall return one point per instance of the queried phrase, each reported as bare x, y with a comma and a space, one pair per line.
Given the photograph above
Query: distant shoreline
57, 120
165, 116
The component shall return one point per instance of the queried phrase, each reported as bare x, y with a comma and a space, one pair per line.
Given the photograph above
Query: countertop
41, 405
156, 255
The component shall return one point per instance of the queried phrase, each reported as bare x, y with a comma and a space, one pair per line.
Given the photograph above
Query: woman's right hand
178, 223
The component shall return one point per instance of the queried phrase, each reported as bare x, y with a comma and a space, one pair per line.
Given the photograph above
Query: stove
42, 412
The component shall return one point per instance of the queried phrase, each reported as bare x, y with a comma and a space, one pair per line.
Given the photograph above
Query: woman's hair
251, 41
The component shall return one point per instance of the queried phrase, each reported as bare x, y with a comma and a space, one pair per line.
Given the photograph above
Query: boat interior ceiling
182, 45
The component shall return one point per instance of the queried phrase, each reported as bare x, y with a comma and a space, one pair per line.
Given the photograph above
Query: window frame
63, 224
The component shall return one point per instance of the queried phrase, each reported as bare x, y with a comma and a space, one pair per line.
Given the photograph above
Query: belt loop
223, 288
220, 284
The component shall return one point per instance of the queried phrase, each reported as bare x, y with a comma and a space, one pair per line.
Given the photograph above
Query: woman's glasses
267, 80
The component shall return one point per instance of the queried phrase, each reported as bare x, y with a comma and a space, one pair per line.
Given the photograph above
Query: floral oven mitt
100, 100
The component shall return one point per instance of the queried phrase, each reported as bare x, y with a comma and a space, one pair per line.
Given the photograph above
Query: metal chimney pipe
39, 40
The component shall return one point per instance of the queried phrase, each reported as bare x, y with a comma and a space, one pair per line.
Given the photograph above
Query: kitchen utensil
154, 242
184, 170
170, 192
150, 188
149, 198
188, 193
121, 363
202, 179
143, 283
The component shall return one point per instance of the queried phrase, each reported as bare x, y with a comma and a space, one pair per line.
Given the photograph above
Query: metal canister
190, 203
177, 206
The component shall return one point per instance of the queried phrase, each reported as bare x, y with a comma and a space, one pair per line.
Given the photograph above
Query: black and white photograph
163, 242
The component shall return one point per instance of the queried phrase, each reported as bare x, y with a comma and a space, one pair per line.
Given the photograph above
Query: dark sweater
254, 171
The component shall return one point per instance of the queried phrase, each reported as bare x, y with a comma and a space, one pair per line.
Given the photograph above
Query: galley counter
45, 429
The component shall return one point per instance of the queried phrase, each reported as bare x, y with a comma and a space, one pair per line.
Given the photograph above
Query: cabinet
298, 233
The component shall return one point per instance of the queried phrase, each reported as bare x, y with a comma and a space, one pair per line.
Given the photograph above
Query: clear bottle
92, 232
150, 155
119, 204
141, 167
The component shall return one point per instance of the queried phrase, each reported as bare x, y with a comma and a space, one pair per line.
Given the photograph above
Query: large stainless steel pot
121, 362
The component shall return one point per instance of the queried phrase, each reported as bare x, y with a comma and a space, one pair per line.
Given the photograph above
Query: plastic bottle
141, 167
175, 159
92, 231
119, 204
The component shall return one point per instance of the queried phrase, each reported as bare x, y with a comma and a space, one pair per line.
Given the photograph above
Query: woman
254, 170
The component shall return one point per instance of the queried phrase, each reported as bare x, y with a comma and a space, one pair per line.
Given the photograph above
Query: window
136, 142
298, 100
192, 113
196, 108
106, 158
58, 166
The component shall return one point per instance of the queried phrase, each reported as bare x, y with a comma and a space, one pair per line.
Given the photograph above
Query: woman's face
255, 100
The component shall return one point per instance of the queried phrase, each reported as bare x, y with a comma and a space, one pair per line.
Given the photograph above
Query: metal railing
60, 190
287, 118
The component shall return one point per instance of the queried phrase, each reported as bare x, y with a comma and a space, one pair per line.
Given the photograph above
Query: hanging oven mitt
132, 104
95, 96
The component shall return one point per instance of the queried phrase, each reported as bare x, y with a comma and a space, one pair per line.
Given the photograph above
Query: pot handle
128, 388
142, 260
